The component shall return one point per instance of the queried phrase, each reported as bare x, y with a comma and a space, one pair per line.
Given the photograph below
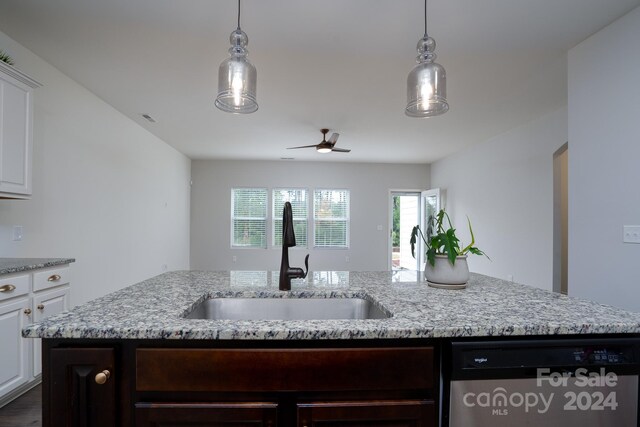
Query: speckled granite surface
155, 309
16, 265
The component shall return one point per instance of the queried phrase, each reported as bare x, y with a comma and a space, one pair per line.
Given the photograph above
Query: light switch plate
631, 234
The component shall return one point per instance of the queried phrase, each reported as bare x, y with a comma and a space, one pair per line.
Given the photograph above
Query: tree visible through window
299, 206
331, 218
249, 217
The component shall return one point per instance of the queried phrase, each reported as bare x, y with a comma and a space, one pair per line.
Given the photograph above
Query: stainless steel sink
286, 309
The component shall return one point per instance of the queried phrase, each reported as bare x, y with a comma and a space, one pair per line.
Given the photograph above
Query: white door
46, 304
429, 208
14, 357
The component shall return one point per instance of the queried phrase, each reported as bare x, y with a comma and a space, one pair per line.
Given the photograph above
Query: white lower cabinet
14, 357
25, 298
47, 304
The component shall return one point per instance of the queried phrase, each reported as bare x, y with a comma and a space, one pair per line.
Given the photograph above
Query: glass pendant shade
237, 78
427, 83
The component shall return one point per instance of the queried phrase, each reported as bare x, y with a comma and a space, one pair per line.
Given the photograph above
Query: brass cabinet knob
7, 288
40, 306
27, 311
102, 377
54, 278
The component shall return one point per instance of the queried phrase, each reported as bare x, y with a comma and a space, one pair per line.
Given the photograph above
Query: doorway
561, 220
408, 209
404, 215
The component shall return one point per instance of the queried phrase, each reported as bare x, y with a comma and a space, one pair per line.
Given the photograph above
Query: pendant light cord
425, 18
239, 14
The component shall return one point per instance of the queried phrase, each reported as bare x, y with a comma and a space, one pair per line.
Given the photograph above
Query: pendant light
237, 77
427, 82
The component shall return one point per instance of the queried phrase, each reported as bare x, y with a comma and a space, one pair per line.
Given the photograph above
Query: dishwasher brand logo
580, 390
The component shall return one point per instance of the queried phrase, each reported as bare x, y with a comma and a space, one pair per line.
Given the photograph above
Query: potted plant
446, 265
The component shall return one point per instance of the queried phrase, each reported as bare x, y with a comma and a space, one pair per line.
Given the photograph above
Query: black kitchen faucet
288, 240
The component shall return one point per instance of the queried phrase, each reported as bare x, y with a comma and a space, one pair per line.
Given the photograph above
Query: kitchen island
133, 358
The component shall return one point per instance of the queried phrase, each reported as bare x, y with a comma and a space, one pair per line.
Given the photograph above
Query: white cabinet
47, 304
14, 367
25, 298
16, 132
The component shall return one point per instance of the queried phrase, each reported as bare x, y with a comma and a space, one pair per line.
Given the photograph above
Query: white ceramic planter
446, 275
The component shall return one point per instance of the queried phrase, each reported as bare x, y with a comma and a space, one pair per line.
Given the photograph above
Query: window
331, 218
249, 217
299, 207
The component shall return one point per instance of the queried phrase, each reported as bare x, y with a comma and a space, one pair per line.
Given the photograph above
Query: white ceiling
340, 64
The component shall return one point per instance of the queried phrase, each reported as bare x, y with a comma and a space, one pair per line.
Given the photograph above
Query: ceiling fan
325, 146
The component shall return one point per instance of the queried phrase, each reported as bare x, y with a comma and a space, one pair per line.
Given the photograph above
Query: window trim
347, 219
272, 222
266, 219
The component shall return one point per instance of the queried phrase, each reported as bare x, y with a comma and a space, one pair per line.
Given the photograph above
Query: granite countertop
155, 309
16, 265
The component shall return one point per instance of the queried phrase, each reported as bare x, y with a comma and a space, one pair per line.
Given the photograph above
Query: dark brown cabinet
159, 384
80, 390
399, 413
207, 415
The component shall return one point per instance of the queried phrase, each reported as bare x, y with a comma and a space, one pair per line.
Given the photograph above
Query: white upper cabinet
16, 132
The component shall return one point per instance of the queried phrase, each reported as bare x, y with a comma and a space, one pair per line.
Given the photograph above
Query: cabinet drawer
14, 286
241, 370
50, 278
256, 414
398, 413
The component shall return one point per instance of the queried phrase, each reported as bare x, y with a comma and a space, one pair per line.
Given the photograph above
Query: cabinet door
14, 355
397, 413
251, 414
77, 396
15, 137
46, 304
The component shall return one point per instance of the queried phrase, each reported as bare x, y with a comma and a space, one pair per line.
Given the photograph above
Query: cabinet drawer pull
102, 377
7, 288
27, 311
40, 306
54, 278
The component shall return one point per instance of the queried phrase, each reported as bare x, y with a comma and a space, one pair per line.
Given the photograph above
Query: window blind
249, 217
299, 206
331, 218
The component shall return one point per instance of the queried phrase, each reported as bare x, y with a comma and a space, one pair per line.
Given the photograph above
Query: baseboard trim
14, 394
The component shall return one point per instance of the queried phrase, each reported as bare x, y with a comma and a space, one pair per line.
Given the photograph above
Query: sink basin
286, 309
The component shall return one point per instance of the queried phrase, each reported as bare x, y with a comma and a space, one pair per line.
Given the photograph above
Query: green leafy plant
444, 241
4, 57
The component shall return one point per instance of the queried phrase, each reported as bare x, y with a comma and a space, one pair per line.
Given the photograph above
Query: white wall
369, 185
604, 163
105, 191
505, 186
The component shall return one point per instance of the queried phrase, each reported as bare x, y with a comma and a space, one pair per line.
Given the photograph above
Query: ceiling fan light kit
427, 82
237, 77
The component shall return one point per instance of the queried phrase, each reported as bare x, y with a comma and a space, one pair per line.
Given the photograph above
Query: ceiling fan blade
303, 146
341, 150
334, 138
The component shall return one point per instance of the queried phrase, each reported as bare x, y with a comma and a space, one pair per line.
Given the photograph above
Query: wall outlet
18, 232
631, 234
164, 267
234, 258
510, 277
379, 228
347, 259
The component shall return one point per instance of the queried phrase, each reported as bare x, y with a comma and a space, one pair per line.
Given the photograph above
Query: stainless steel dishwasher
548, 383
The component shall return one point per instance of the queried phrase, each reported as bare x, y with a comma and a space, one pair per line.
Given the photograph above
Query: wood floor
25, 411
